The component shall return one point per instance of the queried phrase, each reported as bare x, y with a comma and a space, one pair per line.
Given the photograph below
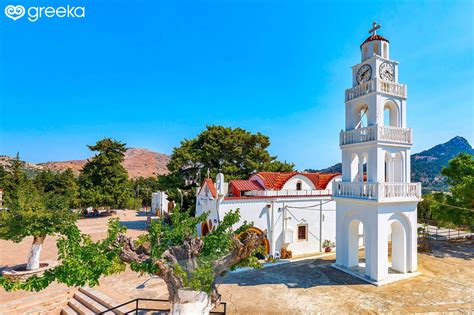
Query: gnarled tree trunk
187, 301
35, 251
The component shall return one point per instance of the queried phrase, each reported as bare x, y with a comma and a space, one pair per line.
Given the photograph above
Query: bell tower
375, 201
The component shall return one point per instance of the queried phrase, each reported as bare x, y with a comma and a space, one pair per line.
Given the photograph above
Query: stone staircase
87, 301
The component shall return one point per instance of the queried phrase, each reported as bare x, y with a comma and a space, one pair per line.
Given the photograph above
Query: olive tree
171, 249
29, 214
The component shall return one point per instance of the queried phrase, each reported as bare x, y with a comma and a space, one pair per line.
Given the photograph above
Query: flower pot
328, 249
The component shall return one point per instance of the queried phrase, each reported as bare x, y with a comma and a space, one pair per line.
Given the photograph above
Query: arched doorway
399, 247
356, 239
204, 228
400, 241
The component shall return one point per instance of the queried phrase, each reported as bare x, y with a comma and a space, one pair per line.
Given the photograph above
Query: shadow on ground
302, 274
463, 249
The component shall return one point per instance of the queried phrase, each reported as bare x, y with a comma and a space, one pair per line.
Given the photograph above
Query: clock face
364, 74
386, 72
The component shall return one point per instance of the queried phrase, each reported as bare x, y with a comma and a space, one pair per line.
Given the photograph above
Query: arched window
298, 185
390, 114
384, 51
361, 116
376, 48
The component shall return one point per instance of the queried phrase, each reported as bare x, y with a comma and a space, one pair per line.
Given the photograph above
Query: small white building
160, 203
295, 209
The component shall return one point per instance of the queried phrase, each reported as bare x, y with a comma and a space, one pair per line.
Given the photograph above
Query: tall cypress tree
103, 180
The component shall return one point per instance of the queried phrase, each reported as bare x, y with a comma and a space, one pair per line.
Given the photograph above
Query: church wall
263, 212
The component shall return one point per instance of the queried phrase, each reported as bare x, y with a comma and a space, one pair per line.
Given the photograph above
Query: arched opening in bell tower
398, 244
355, 168
356, 250
390, 114
361, 113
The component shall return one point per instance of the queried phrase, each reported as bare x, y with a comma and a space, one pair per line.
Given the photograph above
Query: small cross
374, 28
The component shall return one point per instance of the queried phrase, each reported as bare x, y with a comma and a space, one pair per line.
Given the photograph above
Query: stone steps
87, 301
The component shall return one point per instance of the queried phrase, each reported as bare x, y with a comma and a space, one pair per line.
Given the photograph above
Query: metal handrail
137, 308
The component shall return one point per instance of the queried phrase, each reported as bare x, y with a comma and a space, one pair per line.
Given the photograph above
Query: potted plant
328, 245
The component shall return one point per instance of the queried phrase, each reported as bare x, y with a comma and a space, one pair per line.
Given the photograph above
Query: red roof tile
211, 186
374, 37
239, 185
276, 180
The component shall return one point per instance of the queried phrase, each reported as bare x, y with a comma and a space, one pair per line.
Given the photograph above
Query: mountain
426, 165
138, 162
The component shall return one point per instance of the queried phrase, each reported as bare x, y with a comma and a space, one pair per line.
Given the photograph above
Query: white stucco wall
265, 213
159, 202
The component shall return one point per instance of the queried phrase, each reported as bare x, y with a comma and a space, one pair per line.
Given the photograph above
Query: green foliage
62, 185
11, 177
460, 175
103, 180
453, 208
82, 261
31, 212
234, 151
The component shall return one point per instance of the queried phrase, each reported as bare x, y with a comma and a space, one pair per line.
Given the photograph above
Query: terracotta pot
328, 249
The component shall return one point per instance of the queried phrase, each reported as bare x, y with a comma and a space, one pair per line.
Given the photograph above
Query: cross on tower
374, 28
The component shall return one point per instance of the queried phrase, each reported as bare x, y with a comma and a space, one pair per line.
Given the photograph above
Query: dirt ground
303, 287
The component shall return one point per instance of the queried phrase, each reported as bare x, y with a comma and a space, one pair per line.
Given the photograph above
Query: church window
298, 186
302, 232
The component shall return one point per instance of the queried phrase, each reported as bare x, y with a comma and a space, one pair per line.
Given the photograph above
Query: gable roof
276, 180
212, 187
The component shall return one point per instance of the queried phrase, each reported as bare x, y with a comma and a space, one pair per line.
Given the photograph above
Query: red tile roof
239, 185
374, 37
276, 180
211, 186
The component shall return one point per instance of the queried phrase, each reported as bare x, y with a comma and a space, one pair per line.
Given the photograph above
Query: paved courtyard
302, 287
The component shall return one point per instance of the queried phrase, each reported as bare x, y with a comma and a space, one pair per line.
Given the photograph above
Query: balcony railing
391, 88
377, 191
376, 132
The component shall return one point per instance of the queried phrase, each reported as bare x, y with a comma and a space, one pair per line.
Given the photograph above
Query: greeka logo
16, 12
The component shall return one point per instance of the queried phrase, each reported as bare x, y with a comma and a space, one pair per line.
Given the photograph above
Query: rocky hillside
426, 165
138, 162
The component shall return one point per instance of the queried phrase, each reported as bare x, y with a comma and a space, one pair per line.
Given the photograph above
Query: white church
368, 209
296, 210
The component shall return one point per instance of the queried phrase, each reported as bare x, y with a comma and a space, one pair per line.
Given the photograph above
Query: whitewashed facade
376, 200
295, 209
159, 202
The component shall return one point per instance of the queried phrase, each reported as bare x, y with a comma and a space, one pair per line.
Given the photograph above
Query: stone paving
301, 287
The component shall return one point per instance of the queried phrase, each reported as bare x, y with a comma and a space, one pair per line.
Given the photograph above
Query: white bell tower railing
377, 191
377, 133
373, 85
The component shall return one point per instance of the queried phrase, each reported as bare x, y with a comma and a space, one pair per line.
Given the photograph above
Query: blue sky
150, 73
